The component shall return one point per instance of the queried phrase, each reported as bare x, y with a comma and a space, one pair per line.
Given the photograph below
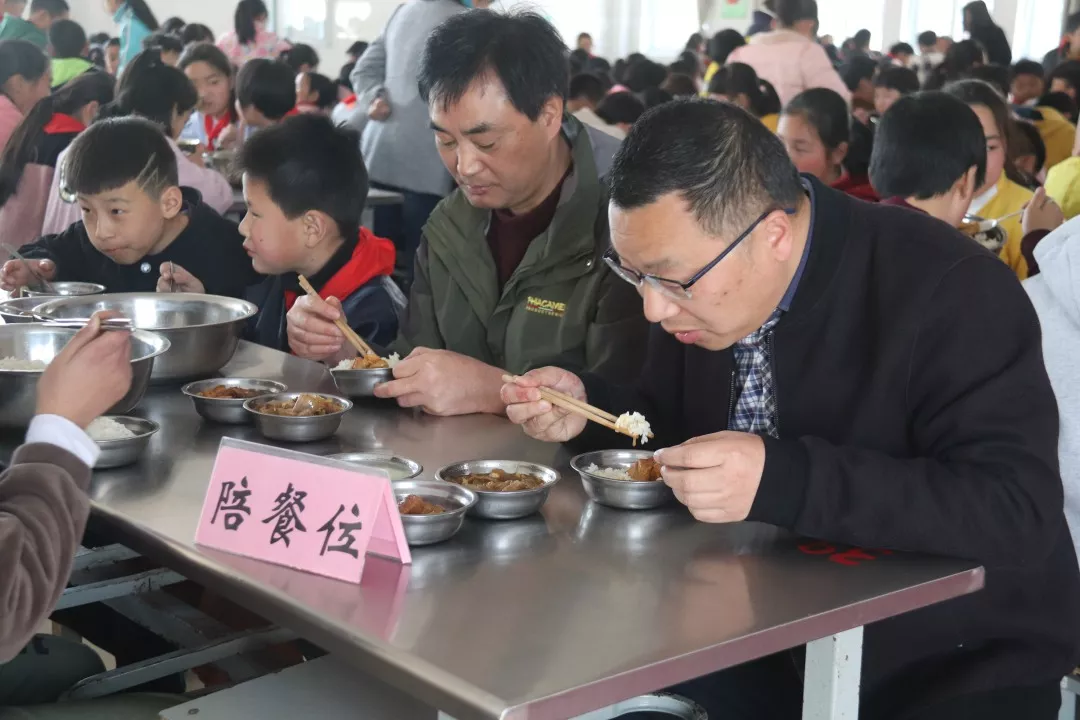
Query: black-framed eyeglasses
674, 289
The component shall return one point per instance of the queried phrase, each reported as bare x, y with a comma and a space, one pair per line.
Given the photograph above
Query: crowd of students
509, 153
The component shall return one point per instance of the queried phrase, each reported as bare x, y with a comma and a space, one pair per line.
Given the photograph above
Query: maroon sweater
509, 235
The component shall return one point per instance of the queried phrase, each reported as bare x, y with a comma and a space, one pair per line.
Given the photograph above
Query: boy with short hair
68, 46
137, 220
305, 185
168, 46
1026, 83
43, 13
891, 84
265, 93
1066, 79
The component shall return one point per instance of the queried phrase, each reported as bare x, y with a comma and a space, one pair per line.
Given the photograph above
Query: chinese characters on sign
306, 512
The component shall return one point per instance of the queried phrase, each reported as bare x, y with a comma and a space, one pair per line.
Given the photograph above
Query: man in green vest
43, 13
510, 273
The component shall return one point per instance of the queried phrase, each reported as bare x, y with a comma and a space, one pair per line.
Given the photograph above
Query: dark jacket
561, 306
370, 299
210, 248
994, 41
914, 413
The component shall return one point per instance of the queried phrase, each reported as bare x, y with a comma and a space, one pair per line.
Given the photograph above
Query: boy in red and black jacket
305, 185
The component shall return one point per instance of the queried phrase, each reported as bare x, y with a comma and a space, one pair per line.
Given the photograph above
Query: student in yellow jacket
999, 196
1057, 134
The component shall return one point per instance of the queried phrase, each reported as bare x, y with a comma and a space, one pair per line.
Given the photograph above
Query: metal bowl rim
159, 344
413, 464
154, 429
441, 474
188, 390
249, 310
469, 492
292, 396
97, 289
362, 371
576, 464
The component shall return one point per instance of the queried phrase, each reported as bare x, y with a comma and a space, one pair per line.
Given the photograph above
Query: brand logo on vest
541, 306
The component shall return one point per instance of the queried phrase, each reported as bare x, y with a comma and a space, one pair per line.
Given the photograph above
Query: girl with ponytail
28, 163
136, 22
249, 38
163, 95
25, 77
740, 85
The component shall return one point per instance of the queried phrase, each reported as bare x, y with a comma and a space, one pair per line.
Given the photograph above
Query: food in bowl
644, 470
498, 481
305, 405
224, 392
416, 505
10, 363
369, 362
104, 429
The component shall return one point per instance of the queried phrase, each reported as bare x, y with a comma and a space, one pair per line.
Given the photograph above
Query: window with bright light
665, 27
843, 18
1038, 28
302, 20
944, 17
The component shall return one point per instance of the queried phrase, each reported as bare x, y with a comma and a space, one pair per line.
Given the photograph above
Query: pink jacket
10, 117
215, 189
791, 62
265, 45
23, 214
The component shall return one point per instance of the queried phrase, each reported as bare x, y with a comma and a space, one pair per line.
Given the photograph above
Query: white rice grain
104, 429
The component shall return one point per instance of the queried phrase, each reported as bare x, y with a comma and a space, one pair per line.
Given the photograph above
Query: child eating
265, 93
136, 219
305, 185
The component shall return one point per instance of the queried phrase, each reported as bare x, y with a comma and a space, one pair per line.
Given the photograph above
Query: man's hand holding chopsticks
716, 476
538, 417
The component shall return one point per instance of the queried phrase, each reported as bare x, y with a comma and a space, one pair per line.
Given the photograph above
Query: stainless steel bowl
295, 429
503, 505
118, 453
17, 310
228, 411
398, 468
34, 341
666, 704
622, 494
431, 529
993, 238
361, 383
66, 289
204, 329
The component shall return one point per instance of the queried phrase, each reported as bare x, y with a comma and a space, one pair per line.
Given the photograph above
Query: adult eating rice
851, 372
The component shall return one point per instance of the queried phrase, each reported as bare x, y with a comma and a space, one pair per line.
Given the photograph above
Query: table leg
833, 672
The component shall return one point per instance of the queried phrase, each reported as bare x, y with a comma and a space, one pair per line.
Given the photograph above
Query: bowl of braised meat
506, 489
431, 511
221, 400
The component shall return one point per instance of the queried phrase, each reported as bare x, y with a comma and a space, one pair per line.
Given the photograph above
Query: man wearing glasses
851, 372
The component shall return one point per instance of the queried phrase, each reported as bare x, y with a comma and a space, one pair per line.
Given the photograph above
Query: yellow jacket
1063, 185
714, 67
1009, 198
771, 121
1057, 134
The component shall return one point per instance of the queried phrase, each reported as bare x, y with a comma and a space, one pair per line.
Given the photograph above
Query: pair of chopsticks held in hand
355, 340
579, 407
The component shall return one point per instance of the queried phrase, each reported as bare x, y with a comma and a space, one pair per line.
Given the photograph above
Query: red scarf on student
214, 129
856, 187
61, 124
373, 257
349, 101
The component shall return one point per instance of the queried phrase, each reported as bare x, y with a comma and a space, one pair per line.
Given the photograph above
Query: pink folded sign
298, 510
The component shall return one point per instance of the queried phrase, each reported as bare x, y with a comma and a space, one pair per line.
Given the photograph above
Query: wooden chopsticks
587, 411
357, 342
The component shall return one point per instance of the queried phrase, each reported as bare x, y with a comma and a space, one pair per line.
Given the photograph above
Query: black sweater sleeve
983, 481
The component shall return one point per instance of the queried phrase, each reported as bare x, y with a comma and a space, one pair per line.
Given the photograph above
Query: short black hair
67, 39
1061, 102
901, 48
862, 39
1027, 67
113, 152
523, 50
903, 80
163, 42
927, 38
196, 33
173, 25
22, 58
789, 12
924, 144
268, 86
358, 48
113, 42
584, 35
324, 88
620, 107
857, 69
1072, 23
53, 8
1030, 142
577, 61
99, 38
308, 164
210, 54
826, 111
656, 96
588, 86
994, 75
726, 165
300, 55
153, 90
645, 74
680, 85
1069, 71
344, 78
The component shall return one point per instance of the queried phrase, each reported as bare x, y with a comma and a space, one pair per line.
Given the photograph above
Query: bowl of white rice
26, 349
121, 439
605, 479
358, 384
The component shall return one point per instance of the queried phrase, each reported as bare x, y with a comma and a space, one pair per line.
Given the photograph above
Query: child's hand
176, 279
15, 274
1042, 213
379, 109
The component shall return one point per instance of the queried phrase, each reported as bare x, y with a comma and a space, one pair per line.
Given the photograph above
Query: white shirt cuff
64, 434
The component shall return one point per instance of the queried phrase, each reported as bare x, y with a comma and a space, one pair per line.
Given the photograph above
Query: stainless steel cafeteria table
548, 617
375, 198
